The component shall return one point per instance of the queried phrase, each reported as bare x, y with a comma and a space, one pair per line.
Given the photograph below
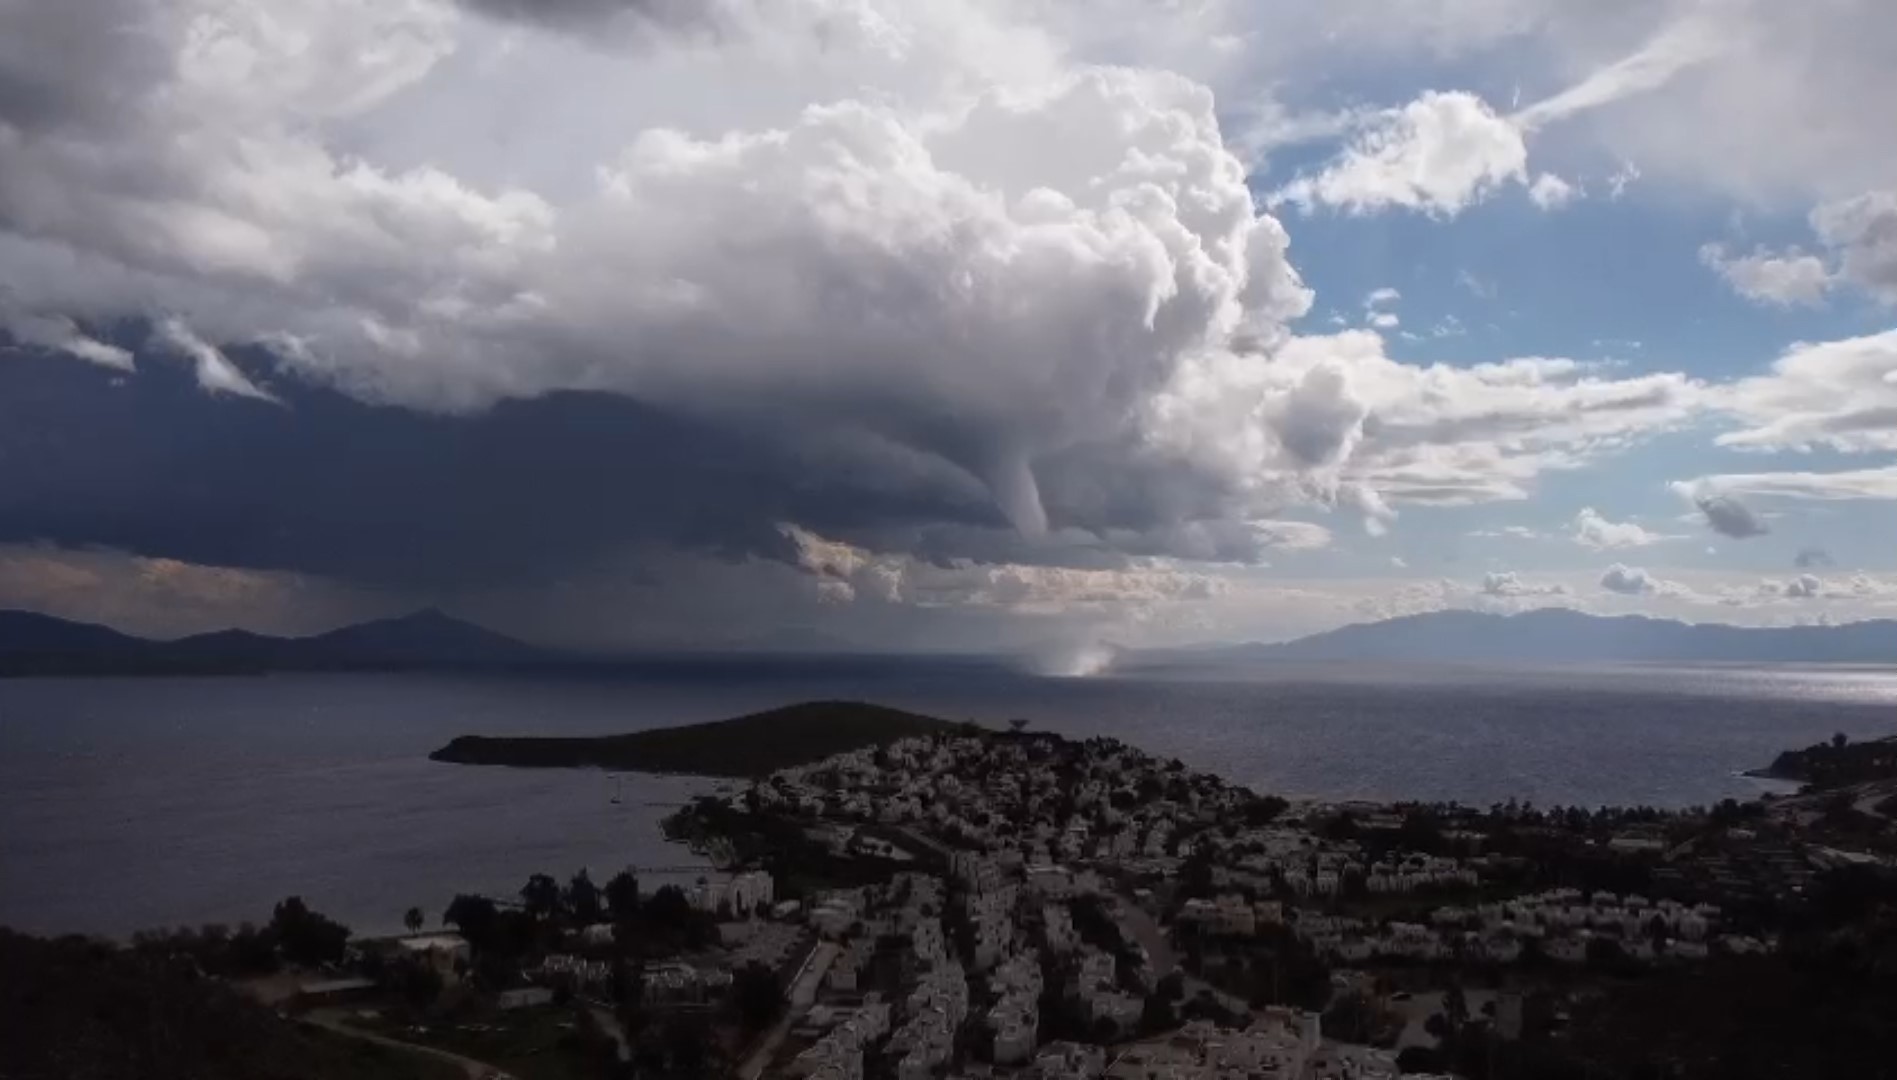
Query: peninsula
1835, 764
746, 746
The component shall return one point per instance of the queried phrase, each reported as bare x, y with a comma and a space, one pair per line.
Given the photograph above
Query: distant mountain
1559, 635
32, 644
26, 632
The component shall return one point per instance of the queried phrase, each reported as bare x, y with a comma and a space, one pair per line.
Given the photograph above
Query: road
1135, 920
807, 979
609, 1024
475, 1070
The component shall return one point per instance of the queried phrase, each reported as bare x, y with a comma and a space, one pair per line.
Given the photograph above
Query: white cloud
1416, 598
60, 334
1859, 235
1293, 535
1679, 45
1622, 179
1507, 584
1477, 287
1550, 192
1633, 581
1377, 306
1858, 588
1682, 102
1804, 587
1591, 530
1862, 233
1439, 154
1835, 394
1786, 279
1880, 483
215, 373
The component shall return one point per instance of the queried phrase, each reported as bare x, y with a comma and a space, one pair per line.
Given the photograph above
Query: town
1016, 904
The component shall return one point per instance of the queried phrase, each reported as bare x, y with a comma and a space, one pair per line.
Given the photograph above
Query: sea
130, 804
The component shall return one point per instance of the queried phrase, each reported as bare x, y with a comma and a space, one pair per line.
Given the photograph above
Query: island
746, 746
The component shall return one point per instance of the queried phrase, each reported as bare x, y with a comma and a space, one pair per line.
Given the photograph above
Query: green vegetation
747, 746
550, 1043
74, 1009
295, 936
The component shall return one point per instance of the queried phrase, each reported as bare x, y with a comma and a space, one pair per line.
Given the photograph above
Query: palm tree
541, 896
414, 920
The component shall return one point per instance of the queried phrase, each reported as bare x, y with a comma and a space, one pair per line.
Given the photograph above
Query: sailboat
619, 789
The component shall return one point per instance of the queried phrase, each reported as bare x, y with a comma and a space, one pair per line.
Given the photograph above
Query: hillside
746, 746
32, 644
76, 1010
1559, 635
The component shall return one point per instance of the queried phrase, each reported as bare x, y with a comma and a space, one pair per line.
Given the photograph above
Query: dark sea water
129, 803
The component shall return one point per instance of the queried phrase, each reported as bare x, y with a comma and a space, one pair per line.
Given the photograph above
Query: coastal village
980, 904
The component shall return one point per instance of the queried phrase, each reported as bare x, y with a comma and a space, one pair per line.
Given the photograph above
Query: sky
945, 324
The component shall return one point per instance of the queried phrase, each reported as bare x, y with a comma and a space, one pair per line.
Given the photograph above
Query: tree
622, 896
1605, 952
582, 899
414, 920
1456, 1005
1172, 987
1157, 1015
688, 1043
418, 984
541, 896
669, 908
253, 951
1351, 1016
756, 995
307, 938
474, 916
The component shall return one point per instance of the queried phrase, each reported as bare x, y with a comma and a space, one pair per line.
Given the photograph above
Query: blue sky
946, 324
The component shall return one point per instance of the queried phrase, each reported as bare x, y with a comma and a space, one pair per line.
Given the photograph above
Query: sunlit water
132, 803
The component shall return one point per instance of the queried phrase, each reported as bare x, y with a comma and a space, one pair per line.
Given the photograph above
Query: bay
133, 803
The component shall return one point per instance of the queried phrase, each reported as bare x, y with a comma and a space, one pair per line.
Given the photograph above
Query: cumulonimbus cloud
944, 252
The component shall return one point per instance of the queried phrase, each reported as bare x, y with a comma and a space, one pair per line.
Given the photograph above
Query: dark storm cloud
65, 64
692, 16
1812, 558
324, 484
1729, 517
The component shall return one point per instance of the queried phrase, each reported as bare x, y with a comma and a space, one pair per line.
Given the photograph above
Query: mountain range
33, 644
1562, 635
